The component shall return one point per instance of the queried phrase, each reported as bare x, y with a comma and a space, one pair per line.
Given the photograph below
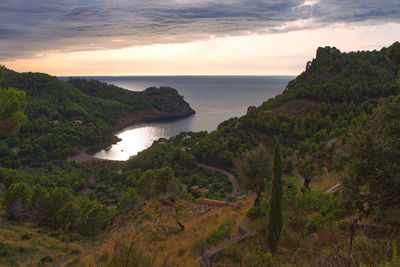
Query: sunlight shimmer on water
214, 98
133, 141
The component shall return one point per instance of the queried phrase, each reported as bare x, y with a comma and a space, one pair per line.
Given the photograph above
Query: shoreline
149, 115
82, 154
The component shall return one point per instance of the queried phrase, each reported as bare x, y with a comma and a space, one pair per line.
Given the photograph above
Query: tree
298, 203
38, 204
164, 177
393, 54
58, 197
372, 178
17, 200
68, 215
275, 212
128, 200
145, 184
12, 104
94, 216
253, 168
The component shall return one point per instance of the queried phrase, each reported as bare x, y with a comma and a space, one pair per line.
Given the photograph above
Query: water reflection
215, 99
139, 137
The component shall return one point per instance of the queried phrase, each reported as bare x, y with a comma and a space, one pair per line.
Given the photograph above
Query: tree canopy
254, 168
373, 169
12, 104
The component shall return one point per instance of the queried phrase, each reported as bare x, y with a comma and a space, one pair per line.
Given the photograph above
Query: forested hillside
318, 105
66, 116
335, 125
318, 122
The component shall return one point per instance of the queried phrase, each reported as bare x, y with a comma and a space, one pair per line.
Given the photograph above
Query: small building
78, 122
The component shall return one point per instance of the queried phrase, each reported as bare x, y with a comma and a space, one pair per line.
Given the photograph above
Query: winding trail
232, 179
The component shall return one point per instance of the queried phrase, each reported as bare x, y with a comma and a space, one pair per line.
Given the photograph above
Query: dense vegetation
336, 123
311, 119
65, 116
316, 125
58, 119
317, 106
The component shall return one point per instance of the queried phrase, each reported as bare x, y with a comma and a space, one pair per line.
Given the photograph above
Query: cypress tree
275, 212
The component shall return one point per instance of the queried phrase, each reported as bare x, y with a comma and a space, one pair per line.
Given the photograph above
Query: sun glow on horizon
256, 54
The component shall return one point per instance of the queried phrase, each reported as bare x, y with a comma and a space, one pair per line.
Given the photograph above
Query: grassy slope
154, 231
26, 245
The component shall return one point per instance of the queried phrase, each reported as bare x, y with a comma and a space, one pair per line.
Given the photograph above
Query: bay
214, 98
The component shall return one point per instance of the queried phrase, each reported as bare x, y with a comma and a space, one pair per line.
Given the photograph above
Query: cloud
31, 27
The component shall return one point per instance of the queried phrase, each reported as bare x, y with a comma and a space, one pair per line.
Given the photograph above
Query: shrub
222, 232
254, 212
46, 259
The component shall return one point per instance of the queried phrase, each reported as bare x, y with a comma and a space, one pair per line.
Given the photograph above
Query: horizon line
180, 75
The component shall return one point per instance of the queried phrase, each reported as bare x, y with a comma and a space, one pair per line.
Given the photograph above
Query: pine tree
393, 54
275, 212
12, 104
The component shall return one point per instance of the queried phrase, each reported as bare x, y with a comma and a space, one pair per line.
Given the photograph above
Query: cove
214, 98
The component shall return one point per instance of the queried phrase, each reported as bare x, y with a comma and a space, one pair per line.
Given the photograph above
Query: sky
187, 37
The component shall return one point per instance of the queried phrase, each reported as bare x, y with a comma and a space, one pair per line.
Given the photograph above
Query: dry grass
153, 232
326, 181
329, 247
25, 244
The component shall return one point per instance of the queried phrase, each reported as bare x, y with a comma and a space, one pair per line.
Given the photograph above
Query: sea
214, 98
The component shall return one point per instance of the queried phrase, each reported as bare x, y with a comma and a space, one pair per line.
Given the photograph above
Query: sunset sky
187, 37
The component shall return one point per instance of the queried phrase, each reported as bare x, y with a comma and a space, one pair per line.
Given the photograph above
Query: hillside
316, 106
151, 104
337, 124
313, 120
66, 116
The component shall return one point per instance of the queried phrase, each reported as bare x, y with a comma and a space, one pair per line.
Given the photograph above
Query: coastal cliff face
166, 104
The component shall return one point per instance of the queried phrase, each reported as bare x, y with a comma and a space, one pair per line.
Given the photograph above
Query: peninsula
65, 117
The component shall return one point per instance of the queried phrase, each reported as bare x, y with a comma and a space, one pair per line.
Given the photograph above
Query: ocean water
214, 98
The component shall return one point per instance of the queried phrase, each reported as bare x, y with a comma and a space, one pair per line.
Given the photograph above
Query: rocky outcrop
324, 60
166, 104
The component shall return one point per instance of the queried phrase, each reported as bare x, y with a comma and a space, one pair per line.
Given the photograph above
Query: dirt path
83, 157
235, 183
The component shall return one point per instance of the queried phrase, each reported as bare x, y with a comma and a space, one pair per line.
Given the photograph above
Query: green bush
74, 262
254, 212
26, 237
222, 232
46, 259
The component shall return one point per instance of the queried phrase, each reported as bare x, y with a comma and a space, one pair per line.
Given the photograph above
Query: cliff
166, 104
